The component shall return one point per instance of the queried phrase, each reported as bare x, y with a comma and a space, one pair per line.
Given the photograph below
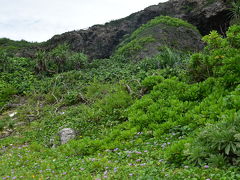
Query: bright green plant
233, 36
175, 153
6, 91
19, 74
151, 81
220, 58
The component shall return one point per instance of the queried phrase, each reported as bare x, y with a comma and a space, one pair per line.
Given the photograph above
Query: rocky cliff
99, 41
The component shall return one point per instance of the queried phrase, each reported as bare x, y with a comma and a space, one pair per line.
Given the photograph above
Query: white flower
12, 114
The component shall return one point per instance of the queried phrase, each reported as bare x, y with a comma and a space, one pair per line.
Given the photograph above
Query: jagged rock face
207, 15
100, 41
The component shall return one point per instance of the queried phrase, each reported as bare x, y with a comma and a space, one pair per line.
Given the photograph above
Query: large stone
163, 31
66, 134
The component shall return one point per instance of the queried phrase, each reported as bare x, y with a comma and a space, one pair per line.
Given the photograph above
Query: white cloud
39, 20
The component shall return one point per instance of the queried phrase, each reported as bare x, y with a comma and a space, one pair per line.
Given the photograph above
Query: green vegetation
133, 47
12, 47
235, 12
163, 20
172, 116
58, 60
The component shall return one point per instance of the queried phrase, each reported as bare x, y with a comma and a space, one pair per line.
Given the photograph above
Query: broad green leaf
227, 149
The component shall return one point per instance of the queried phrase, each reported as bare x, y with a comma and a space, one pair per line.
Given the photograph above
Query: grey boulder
66, 134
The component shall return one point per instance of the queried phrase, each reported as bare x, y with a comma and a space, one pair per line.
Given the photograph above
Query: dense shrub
59, 59
176, 152
19, 73
167, 103
220, 58
219, 140
6, 91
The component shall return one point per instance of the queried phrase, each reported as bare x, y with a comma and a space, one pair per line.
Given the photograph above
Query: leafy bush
164, 104
233, 36
165, 59
175, 153
6, 91
151, 81
72, 98
220, 58
77, 61
114, 105
19, 74
221, 139
59, 59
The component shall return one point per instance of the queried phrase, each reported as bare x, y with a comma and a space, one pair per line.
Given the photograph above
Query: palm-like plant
235, 13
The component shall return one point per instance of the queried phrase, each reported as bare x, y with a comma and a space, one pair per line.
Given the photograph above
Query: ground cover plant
172, 116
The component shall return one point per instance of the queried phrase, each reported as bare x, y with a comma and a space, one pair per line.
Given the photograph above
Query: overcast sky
39, 20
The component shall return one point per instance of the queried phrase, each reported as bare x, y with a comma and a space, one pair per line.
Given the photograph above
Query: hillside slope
175, 115
160, 107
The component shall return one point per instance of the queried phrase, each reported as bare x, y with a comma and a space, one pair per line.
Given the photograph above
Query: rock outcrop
100, 41
158, 34
66, 135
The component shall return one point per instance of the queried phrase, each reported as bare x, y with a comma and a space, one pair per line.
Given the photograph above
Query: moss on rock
169, 21
163, 31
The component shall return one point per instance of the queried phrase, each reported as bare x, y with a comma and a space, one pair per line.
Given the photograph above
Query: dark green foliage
72, 98
58, 60
235, 12
3, 60
5, 42
6, 91
12, 47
